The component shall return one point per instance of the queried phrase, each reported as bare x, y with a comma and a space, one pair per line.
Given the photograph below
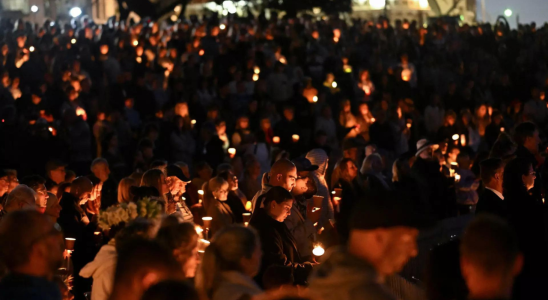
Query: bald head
283, 173
81, 187
22, 197
100, 169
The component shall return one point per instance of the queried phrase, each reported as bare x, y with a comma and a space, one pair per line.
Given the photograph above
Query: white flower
132, 210
123, 215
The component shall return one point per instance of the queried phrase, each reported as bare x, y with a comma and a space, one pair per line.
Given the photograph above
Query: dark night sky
528, 10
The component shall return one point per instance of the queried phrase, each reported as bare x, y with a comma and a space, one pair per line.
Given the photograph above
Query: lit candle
138, 59
248, 205
318, 250
282, 60
367, 90
135, 43
73, 41
222, 26
246, 217
455, 137
347, 69
490, 110
295, 138
255, 77
276, 140
232, 152
408, 125
207, 222
50, 129
256, 70
315, 99
201, 52
199, 229
463, 140
97, 233
502, 129
31, 48
406, 74
457, 177
373, 120
201, 195
69, 243
334, 84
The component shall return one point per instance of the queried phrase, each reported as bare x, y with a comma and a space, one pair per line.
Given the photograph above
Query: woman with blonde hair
229, 264
157, 179
217, 207
124, 190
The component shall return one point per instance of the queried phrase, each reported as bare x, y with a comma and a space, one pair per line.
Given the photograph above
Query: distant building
414, 10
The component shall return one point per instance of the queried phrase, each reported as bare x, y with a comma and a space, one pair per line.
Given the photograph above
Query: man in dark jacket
432, 183
278, 244
527, 137
302, 218
491, 200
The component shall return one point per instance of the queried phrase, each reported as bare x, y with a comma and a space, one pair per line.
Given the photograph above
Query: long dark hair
513, 172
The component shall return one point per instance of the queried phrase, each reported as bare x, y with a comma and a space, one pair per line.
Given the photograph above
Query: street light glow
34, 8
508, 12
75, 12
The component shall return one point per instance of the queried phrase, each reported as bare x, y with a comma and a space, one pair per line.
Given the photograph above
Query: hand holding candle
231, 152
247, 218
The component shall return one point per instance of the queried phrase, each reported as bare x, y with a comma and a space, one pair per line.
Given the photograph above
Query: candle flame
276, 139
248, 205
318, 250
455, 137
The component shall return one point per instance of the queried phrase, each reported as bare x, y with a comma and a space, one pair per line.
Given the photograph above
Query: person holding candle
278, 243
528, 216
347, 180
229, 264
432, 183
467, 185
236, 199
526, 136
176, 182
31, 248
383, 237
319, 158
219, 209
303, 217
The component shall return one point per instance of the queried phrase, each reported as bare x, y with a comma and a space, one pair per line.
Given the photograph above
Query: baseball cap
388, 209
173, 170
303, 164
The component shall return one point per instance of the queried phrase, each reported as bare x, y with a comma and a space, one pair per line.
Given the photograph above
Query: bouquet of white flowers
127, 212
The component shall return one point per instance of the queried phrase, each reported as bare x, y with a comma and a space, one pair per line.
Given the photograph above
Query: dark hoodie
279, 247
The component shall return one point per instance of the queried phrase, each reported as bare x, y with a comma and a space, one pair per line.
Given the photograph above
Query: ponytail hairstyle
213, 184
225, 252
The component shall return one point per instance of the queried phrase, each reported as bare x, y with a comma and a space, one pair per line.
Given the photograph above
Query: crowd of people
277, 158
